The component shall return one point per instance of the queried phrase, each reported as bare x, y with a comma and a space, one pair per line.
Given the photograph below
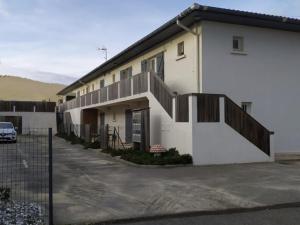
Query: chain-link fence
26, 177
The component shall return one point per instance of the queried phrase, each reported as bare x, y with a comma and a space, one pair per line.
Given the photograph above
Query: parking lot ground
91, 187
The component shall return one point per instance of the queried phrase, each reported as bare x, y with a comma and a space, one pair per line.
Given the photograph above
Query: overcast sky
57, 40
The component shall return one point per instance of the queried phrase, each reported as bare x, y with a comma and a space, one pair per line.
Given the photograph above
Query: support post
222, 109
50, 167
148, 81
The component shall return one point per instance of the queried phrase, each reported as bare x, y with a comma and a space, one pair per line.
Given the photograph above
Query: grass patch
171, 157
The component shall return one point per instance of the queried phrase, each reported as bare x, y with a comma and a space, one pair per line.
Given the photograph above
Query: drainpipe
197, 50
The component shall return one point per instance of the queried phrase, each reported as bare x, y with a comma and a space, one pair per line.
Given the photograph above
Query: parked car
8, 132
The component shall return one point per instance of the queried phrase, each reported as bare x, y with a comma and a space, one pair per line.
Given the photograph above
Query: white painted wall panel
268, 75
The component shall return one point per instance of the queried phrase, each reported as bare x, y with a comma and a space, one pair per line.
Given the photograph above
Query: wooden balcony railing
113, 91
125, 88
103, 94
132, 86
135, 85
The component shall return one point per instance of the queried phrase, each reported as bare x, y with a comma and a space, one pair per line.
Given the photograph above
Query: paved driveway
91, 187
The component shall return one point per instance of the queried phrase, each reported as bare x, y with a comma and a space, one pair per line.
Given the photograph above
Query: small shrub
93, 145
170, 157
4, 194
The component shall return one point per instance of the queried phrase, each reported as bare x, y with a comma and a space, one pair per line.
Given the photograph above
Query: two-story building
218, 83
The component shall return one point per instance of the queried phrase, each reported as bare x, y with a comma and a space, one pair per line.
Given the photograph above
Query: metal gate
26, 178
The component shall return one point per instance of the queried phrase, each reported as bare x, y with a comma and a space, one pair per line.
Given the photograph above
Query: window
83, 91
78, 93
151, 65
180, 49
246, 106
87, 89
114, 78
238, 44
125, 74
93, 87
101, 83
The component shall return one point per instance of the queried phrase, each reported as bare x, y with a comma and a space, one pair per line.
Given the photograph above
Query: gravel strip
20, 213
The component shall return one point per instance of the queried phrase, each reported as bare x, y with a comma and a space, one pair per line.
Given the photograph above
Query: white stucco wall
218, 143
267, 75
208, 143
165, 131
180, 74
35, 120
119, 111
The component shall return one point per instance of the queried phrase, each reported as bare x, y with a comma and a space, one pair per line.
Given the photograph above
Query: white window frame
247, 107
240, 41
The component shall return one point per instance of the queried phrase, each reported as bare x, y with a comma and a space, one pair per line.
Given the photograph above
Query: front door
128, 126
102, 121
102, 132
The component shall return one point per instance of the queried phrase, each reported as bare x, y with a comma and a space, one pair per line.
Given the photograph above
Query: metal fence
26, 178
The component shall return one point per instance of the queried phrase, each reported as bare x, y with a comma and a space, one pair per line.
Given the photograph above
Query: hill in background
23, 89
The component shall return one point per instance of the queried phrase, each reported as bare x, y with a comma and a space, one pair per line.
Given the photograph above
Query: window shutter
144, 66
122, 75
129, 72
160, 65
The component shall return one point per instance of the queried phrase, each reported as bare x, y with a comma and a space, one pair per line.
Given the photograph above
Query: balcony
133, 86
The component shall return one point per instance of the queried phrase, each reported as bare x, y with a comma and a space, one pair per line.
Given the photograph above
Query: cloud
3, 11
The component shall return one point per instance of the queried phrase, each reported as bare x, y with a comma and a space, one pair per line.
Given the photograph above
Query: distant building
29, 115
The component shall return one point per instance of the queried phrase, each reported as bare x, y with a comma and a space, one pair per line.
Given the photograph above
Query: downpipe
197, 51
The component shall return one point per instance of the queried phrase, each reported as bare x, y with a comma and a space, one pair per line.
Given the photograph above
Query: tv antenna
104, 49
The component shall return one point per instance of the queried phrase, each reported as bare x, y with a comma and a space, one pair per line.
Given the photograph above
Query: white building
29, 116
247, 58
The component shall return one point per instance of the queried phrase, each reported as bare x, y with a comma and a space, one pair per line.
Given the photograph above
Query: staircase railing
247, 126
162, 93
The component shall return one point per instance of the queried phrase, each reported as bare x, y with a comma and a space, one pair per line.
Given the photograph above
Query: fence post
222, 109
50, 178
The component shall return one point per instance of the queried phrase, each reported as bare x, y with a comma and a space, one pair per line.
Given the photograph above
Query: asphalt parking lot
24, 169
92, 187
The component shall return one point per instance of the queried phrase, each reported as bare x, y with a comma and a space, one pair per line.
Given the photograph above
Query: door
103, 137
128, 126
102, 121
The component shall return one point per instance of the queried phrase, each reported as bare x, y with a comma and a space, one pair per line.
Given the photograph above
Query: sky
57, 40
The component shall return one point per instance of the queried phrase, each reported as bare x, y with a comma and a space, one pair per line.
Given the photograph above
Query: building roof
193, 14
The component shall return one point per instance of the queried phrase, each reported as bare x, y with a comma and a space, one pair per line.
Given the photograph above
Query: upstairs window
78, 93
114, 78
180, 49
87, 89
151, 65
126, 73
93, 87
101, 83
238, 43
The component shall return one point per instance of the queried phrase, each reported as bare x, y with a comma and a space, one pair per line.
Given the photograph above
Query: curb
194, 213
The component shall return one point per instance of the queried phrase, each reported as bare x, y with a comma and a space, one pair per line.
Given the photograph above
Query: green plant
93, 145
170, 157
4, 194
